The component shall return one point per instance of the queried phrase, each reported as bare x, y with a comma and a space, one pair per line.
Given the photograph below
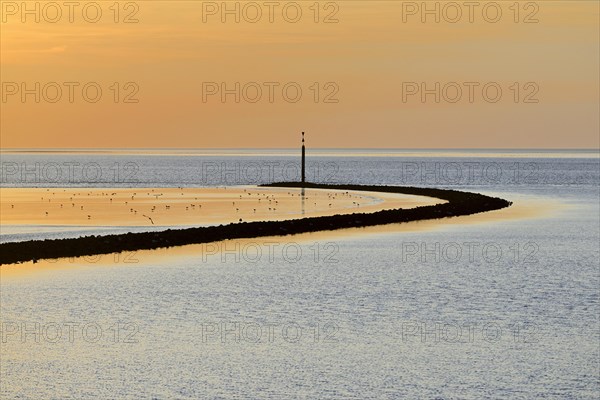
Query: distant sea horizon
323, 151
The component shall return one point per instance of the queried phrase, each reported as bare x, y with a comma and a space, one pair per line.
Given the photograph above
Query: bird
144, 215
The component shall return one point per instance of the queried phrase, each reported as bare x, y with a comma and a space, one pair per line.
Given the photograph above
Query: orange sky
367, 56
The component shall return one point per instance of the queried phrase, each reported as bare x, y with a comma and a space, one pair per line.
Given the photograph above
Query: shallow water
51, 213
504, 307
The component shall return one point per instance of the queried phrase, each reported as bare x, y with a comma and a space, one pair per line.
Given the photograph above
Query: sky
352, 74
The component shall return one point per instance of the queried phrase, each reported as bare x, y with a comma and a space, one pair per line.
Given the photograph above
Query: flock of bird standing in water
251, 201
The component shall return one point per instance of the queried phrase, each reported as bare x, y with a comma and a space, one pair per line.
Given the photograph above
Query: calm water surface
502, 309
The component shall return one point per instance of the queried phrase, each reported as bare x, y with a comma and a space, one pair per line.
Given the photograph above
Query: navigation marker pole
303, 160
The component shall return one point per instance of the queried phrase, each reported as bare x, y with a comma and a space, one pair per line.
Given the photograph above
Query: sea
505, 307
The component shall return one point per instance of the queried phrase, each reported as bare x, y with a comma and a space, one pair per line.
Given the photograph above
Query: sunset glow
362, 64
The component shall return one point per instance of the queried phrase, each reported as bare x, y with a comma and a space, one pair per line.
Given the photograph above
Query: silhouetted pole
303, 160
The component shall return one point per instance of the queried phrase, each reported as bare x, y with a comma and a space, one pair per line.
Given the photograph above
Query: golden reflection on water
521, 210
147, 207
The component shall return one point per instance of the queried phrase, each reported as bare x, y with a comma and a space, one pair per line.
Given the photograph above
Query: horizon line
42, 149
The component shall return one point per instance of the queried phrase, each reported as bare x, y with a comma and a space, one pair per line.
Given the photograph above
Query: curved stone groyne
458, 203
